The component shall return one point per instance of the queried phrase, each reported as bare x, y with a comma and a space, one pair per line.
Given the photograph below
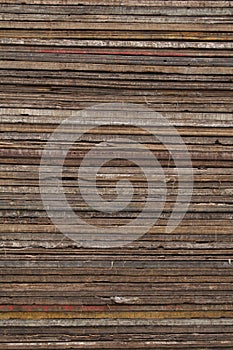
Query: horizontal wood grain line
81, 19
120, 51
222, 241
113, 68
50, 117
118, 315
120, 271
180, 106
117, 345
146, 3
202, 174
207, 322
37, 141
90, 93
108, 297
142, 28
180, 8
111, 262
59, 147
63, 56
158, 301
103, 219
13, 199
107, 279
121, 330
49, 336
20, 130
212, 236
142, 44
143, 252
132, 208
52, 83
214, 232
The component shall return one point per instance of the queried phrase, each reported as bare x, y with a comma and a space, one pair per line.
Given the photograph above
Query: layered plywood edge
164, 290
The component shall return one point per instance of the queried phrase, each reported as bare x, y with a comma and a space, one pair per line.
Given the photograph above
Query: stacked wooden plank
165, 290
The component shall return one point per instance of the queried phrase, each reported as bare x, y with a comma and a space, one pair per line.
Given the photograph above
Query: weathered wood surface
165, 290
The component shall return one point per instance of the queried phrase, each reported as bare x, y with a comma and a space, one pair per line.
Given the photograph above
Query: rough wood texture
165, 290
